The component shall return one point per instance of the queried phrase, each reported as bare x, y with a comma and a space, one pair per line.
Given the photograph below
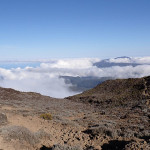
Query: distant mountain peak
122, 57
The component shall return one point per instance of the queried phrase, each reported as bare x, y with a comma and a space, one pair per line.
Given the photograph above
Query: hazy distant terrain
81, 84
124, 61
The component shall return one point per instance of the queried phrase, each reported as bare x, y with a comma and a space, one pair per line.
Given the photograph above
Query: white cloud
142, 60
45, 78
71, 63
126, 72
36, 81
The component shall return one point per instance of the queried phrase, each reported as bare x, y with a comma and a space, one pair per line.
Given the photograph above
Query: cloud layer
45, 79
138, 60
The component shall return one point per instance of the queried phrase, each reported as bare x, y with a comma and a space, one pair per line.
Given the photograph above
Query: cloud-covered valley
45, 77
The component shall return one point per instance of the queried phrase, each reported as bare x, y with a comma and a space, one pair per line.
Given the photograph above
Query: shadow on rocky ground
45, 148
115, 145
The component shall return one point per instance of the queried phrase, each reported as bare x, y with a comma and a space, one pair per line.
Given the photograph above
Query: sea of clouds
45, 78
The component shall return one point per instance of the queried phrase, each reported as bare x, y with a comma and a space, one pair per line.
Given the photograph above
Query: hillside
115, 115
119, 92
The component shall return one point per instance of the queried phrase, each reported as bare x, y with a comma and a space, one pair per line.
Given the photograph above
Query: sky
45, 29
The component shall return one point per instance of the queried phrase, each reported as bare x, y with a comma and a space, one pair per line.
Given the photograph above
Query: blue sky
44, 29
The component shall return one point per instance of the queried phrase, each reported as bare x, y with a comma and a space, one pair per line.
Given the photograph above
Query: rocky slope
115, 115
120, 91
125, 106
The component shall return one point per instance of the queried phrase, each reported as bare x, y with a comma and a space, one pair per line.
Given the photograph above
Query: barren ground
75, 125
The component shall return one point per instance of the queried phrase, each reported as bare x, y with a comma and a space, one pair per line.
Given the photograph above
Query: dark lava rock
65, 147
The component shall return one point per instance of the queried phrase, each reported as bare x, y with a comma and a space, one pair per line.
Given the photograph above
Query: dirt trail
64, 128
